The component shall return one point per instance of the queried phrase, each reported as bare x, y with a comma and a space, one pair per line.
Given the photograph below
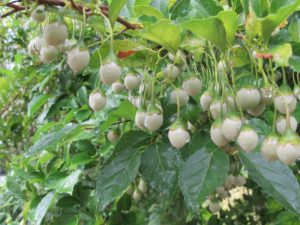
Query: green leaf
45, 128
278, 4
163, 33
212, 29
82, 96
43, 207
260, 7
13, 186
74, 221
230, 22
160, 167
62, 182
275, 178
297, 112
260, 126
294, 62
202, 173
130, 139
265, 26
125, 110
141, 10
142, 2
80, 159
281, 54
286, 218
97, 22
162, 6
239, 57
204, 8
181, 8
114, 9
116, 176
124, 202
294, 29
36, 103
86, 146
59, 137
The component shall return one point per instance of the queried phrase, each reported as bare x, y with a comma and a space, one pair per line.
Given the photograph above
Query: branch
104, 9
16, 8
8, 13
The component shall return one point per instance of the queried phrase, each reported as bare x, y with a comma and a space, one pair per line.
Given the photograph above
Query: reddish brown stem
77, 7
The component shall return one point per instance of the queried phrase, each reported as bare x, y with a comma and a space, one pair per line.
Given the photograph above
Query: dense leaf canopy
149, 112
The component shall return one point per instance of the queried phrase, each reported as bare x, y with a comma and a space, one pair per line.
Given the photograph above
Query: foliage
63, 161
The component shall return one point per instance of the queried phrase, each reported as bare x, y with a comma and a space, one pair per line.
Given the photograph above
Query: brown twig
8, 13
104, 9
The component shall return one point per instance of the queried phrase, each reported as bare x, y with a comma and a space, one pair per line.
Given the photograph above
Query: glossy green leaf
212, 29
181, 8
62, 182
260, 126
114, 9
97, 22
265, 26
230, 22
278, 4
125, 110
80, 159
59, 137
286, 218
160, 166
164, 33
13, 186
239, 57
202, 173
204, 8
86, 146
161, 5
43, 207
124, 202
275, 178
130, 139
294, 29
294, 62
116, 176
281, 54
141, 10
296, 113
36, 103
142, 2
260, 7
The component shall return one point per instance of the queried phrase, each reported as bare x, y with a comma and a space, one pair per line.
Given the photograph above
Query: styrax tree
149, 112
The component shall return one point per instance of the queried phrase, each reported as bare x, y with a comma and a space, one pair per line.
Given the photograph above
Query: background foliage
56, 162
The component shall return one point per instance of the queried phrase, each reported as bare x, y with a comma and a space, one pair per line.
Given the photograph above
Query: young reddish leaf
125, 54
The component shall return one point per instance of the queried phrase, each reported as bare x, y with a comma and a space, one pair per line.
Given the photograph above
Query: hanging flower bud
178, 135
285, 100
179, 96
192, 86
97, 101
55, 33
247, 98
269, 146
39, 14
231, 126
288, 149
110, 73
78, 59
216, 134
171, 72
154, 118
247, 139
